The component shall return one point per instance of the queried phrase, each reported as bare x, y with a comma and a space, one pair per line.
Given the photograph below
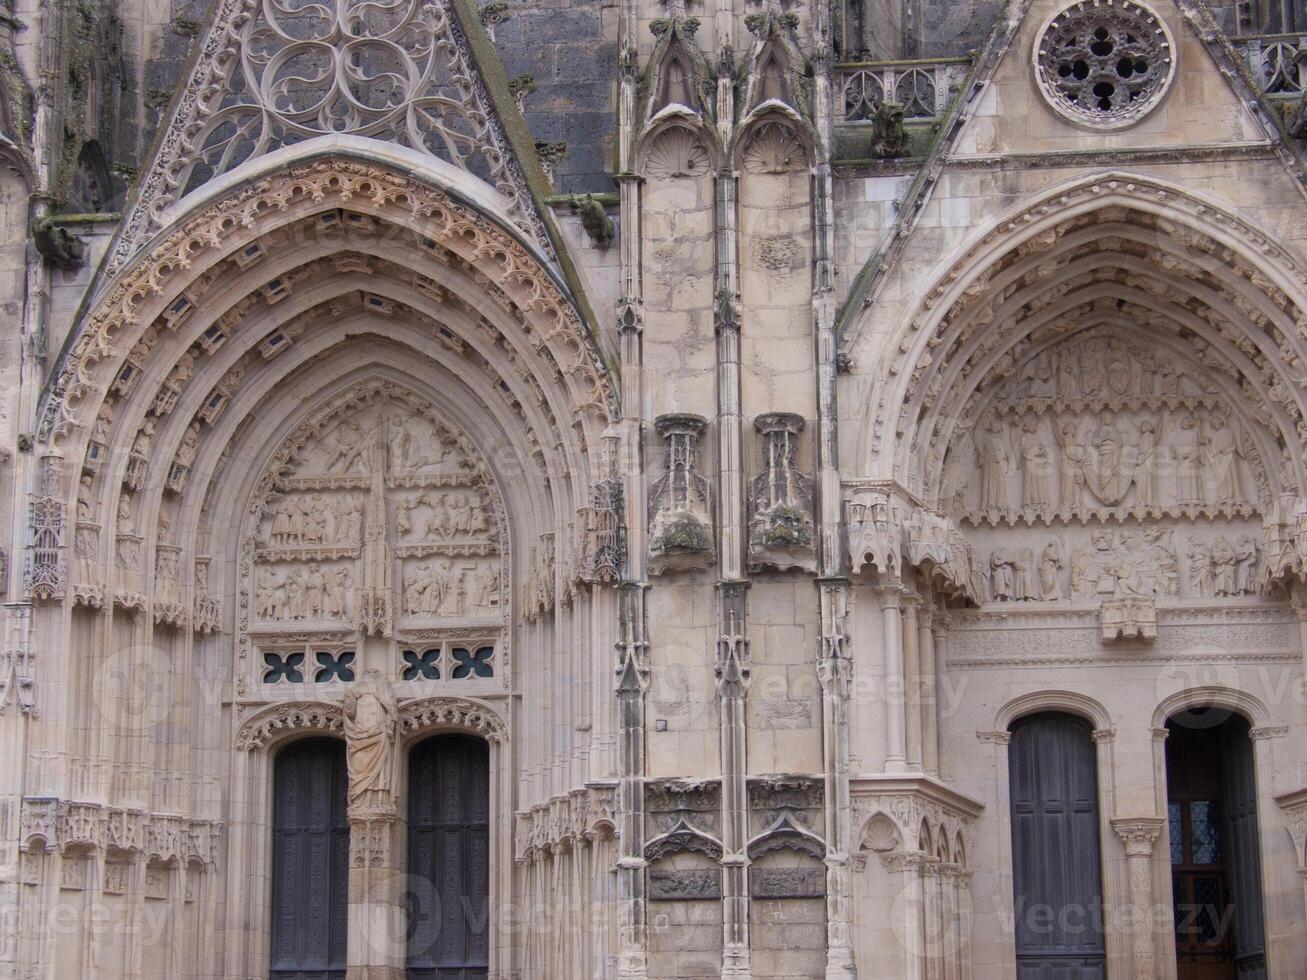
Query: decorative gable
272, 75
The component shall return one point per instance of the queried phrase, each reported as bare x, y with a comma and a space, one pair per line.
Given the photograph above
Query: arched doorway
310, 862
1056, 866
449, 859
1215, 849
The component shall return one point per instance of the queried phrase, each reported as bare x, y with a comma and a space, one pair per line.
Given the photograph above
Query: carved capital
1138, 834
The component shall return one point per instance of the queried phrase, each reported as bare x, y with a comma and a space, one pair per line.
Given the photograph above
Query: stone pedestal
377, 922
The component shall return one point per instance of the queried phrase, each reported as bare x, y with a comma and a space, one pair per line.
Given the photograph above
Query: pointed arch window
1056, 866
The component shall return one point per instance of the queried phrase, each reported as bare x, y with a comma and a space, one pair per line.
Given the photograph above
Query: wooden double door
447, 889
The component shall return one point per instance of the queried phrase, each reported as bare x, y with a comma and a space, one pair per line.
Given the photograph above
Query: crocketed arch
272, 280
1115, 252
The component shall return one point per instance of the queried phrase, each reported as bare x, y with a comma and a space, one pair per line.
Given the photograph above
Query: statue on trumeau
370, 721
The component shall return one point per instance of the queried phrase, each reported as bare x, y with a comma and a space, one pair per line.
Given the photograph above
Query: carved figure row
409, 447
1102, 368
1131, 562
316, 520
451, 515
1072, 463
440, 589
315, 592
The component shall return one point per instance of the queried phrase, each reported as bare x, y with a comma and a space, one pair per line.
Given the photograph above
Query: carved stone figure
370, 719
1111, 474
1200, 566
1221, 555
1050, 569
86, 499
485, 587
350, 449
1012, 575
991, 449
269, 601
889, 137
1075, 459
1036, 467
1219, 455
1145, 465
1185, 451
337, 591
1089, 566
125, 525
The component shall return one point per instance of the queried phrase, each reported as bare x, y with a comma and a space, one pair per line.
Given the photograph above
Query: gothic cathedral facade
653, 489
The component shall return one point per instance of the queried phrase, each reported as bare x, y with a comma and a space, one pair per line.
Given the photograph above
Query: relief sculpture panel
1102, 428
1104, 473
378, 518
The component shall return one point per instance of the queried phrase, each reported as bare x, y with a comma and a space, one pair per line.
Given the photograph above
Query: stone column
376, 913
912, 681
896, 749
1138, 835
907, 866
929, 692
732, 671
835, 672
632, 683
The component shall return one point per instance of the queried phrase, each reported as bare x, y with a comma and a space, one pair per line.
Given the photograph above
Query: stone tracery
276, 74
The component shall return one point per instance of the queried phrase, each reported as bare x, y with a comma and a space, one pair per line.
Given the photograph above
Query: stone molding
582, 814
52, 824
446, 713
272, 720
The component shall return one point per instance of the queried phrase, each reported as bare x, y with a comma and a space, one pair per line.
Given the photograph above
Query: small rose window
1104, 65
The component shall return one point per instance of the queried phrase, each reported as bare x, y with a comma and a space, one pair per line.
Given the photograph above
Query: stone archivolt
517, 329
187, 262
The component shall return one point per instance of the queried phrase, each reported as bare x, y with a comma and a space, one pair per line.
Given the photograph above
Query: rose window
1104, 66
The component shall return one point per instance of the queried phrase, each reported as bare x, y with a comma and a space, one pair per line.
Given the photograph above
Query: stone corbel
1128, 618
1294, 806
874, 529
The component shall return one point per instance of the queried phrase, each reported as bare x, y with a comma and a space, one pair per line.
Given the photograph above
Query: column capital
1138, 833
891, 592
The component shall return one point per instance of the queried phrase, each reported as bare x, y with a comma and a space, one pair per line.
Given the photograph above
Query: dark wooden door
449, 859
1215, 859
310, 862
1056, 869
1245, 874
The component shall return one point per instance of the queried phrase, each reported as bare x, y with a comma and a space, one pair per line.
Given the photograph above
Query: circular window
1104, 65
